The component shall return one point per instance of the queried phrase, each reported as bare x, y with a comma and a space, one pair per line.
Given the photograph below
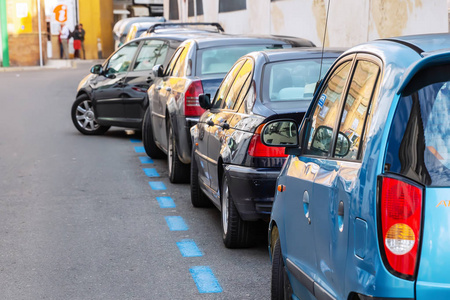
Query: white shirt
65, 32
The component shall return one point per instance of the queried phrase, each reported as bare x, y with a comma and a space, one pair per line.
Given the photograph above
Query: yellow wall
23, 33
97, 19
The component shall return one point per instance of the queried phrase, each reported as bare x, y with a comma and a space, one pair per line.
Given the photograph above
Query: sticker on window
322, 100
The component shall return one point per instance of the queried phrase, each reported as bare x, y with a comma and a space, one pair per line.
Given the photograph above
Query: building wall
350, 22
98, 20
23, 32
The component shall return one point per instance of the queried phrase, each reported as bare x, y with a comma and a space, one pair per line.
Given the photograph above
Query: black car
230, 166
115, 93
197, 67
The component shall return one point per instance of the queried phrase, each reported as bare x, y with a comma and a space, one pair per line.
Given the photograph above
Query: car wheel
277, 282
147, 137
236, 233
178, 172
198, 198
83, 117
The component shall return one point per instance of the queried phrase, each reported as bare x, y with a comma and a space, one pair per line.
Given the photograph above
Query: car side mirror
342, 145
158, 71
97, 69
205, 101
280, 133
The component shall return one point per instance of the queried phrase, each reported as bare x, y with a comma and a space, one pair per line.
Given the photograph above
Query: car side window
153, 52
121, 60
172, 62
319, 136
226, 84
238, 85
179, 69
356, 106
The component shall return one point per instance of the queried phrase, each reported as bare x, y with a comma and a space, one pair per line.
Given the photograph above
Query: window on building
232, 5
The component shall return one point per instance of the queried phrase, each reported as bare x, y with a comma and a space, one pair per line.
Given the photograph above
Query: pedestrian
82, 40
76, 34
65, 34
61, 50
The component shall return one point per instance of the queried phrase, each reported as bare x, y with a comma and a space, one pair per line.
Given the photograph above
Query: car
121, 28
362, 208
137, 29
115, 93
197, 67
230, 167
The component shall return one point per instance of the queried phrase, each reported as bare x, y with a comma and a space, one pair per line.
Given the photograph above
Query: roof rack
165, 25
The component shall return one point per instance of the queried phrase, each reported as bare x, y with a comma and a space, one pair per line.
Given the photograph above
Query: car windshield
419, 141
220, 60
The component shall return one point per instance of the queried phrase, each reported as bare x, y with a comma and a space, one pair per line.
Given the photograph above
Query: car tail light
258, 149
191, 105
401, 214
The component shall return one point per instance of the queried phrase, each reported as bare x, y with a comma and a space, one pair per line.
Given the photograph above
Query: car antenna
323, 41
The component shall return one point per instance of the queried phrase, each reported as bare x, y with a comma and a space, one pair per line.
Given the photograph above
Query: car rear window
419, 139
294, 80
220, 60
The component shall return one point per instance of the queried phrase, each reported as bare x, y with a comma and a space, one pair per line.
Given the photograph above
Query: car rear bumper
252, 190
183, 137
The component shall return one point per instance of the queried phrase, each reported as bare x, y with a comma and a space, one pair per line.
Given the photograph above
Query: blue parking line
139, 149
145, 160
165, 202
157, 185
150, 172
188, 248
176, 223
135, 141
205, 280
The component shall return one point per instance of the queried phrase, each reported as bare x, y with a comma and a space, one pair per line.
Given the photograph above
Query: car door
336, 185
300, 204
108, 88
219, 128
162, 91
138, 80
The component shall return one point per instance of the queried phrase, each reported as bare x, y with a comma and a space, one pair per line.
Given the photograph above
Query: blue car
362, 207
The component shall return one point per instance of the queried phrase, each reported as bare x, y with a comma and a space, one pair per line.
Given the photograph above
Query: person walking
76, 34
82, 39
65, 34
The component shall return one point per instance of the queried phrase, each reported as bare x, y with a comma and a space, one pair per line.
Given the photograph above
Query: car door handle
169, 89
225, 126
149, 79
341, 216
158, 88
306, 206
210, 123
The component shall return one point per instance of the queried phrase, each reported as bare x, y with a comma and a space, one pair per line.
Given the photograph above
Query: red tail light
191, 105
401, 214
258, 149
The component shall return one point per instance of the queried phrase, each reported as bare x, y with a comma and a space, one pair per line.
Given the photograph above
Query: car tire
83, 117
147, 137
277, 281
178, 172
236, 233
198, 198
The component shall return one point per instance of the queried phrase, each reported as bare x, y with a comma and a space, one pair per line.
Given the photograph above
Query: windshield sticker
445, 203
322, 100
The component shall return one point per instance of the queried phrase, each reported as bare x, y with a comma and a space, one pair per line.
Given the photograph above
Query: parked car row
352, 174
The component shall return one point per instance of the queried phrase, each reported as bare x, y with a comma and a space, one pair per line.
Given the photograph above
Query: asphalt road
79, 219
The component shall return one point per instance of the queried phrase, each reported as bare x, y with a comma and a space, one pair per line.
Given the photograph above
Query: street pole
4, 34
40, 33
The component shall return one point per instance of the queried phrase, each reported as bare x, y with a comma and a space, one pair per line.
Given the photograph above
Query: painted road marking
139, 149
135, 141
188, 248
157, 185
145, 160
165, 202
176, 223
205, 280
151, 172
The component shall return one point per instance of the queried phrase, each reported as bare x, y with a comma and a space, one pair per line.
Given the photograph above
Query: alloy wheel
85, 116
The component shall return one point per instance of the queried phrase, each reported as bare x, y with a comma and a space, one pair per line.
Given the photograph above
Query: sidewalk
51, 64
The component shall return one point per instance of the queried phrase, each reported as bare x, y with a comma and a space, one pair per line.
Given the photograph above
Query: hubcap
225, 208
85, 116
